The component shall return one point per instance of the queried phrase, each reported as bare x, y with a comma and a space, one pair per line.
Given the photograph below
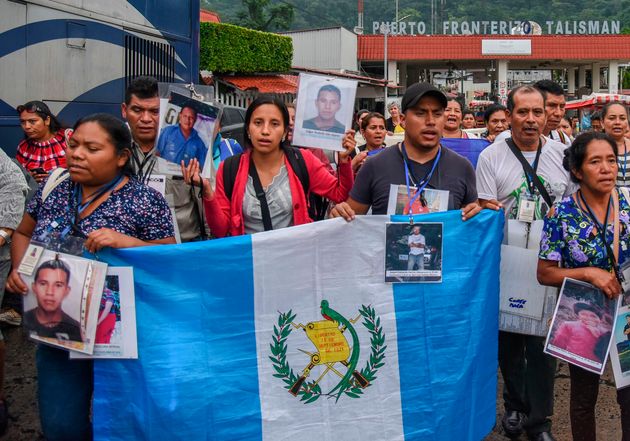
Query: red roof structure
208, 17
264, 83
468, 47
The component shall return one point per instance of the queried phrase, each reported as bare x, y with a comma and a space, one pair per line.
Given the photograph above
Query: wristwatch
6, 236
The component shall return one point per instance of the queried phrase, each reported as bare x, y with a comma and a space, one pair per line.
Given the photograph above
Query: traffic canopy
598, 99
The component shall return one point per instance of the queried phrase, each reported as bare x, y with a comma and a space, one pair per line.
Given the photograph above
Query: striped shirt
48, 155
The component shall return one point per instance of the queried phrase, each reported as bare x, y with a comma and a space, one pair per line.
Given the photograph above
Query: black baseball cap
416, 91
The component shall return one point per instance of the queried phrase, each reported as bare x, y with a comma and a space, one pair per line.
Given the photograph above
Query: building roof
264, 83
208, 17
468, 47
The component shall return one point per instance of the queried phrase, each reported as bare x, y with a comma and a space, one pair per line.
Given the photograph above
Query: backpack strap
56, 177
230, 169
297, 163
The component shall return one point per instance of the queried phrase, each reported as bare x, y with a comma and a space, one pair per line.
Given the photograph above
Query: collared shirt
174, 147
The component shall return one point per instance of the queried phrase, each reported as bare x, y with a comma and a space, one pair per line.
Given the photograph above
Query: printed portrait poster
187, 130
413, 252
620, 346
398, 203
116, 328
61, 306
582, 326
323, 111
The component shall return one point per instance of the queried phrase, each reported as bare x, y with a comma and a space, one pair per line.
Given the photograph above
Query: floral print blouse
569, 236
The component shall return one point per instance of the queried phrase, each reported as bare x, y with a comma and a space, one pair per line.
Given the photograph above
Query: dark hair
492, 109
567, 118
574, 155
142, 87
581, 306
607, 107
522, 89
262, 100
361, 112
461, 106
43, 111
329, 88
117, 132
596, 116
468, 112
549, 87
54, 265
368, 117
189, 106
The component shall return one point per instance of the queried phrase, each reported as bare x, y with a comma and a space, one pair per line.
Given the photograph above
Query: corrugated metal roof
264, 83
468, 47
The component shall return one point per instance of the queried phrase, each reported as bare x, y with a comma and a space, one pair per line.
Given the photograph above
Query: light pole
385, 31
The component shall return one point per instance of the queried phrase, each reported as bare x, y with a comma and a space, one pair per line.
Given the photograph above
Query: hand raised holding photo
192, 176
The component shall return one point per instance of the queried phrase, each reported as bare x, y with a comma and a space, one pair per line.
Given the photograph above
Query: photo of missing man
413, 252
51, 286
323, 111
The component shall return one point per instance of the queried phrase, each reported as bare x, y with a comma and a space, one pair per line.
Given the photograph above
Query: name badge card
30, 259
526, 208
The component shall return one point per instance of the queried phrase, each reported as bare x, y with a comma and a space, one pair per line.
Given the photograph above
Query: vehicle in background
78, 57
232, 121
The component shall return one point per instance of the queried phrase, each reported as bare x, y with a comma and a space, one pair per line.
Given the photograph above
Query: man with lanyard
555, 103
418, 162
141, 109
524, 175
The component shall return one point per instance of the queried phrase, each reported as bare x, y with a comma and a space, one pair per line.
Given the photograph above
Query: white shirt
416, 239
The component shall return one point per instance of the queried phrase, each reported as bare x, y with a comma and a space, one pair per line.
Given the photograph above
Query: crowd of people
91, 187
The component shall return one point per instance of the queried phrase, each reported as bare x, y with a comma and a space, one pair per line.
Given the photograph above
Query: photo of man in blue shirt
182, 142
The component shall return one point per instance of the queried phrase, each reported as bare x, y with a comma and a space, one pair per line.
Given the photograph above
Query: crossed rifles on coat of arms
331, 350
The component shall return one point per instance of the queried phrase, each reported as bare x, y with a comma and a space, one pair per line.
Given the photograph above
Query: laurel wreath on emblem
310, 391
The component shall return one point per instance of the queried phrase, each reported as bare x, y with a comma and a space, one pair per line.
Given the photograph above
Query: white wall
328, 49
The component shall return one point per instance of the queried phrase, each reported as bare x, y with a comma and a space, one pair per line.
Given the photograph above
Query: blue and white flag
469, 148
293, 334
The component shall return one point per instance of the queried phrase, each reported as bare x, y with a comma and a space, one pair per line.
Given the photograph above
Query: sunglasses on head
32, 108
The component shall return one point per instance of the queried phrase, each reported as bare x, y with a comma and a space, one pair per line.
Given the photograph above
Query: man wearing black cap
418, 159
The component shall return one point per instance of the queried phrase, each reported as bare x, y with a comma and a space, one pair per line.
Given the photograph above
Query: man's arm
349, 209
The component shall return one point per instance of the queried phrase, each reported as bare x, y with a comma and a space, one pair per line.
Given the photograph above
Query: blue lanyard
602, 230
78, 196
421, 184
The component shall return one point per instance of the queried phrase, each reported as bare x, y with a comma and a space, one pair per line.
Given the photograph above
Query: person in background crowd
267, 192
596, 122
555, 103
468, 119
359, 117
141, 109
503, 182
111, 209
566, 128
373, 129
575, 124
223, 148
393, 124
44, 146
418, 159
13, 190
453, 120
579, 235
181, 141
496, 120
615, 125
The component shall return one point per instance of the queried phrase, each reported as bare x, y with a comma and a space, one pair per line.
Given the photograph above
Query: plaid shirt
48, 155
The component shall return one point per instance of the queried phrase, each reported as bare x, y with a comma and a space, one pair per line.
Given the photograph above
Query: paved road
21, 383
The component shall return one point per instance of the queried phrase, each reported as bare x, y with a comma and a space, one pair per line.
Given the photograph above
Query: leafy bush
227, 48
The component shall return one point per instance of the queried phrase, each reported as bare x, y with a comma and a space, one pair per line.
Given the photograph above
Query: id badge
526, 208
31, 258
158, 183
625, 272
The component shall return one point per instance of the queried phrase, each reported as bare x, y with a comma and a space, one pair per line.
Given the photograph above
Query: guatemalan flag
293, 335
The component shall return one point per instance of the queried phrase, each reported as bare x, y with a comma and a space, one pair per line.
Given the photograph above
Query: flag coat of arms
293, 334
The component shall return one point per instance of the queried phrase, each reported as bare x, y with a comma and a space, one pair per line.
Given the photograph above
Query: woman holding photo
579, 234
96, 201
266, 160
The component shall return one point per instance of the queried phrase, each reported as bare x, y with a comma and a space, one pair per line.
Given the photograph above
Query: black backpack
317, 205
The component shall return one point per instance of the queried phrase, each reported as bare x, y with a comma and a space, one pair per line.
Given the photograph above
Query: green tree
262, 15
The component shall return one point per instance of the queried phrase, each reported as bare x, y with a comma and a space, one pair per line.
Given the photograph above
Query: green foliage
325, 13
264, 16
227, 48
